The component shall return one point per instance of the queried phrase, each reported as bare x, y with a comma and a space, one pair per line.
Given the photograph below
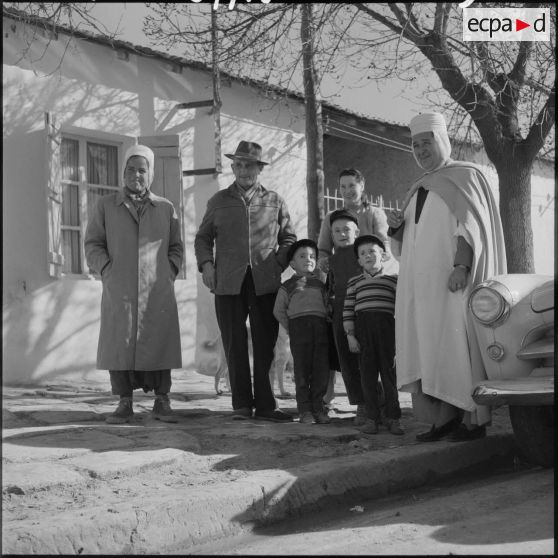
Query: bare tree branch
517, 74
406, 28
541, 127
379, 17
411, 17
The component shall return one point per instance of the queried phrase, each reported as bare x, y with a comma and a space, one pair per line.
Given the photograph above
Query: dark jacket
257, 234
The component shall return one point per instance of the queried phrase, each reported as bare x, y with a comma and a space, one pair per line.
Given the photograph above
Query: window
89, 170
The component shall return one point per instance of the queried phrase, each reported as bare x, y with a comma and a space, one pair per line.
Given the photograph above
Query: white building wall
50, 327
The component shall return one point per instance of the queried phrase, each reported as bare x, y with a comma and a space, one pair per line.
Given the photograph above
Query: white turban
432, 122
139, 150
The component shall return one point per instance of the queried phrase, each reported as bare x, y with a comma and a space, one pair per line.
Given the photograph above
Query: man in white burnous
450, 239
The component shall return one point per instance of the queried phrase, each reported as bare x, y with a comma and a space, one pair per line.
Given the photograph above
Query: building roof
127, 46
331, 111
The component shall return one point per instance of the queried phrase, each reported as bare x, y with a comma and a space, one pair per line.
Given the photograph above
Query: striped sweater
367, 293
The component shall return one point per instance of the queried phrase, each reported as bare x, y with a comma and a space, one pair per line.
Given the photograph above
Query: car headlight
490, 304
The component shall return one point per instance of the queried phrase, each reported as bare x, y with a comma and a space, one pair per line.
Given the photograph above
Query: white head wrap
432, 122
139, 150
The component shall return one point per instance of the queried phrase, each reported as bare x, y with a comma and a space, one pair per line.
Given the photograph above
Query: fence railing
332, 201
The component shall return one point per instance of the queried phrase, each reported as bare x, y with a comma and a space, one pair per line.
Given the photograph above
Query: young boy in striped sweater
368, 321
301, 308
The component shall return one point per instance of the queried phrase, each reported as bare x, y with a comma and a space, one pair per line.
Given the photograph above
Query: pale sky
391, 100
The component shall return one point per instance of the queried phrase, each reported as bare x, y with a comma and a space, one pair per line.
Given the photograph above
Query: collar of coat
121, 197
237, 191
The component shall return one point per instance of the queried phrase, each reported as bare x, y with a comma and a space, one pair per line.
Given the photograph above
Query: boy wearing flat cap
368, 320
301, 308
250, 229
342, 266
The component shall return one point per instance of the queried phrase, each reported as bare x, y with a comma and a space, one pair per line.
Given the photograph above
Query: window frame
83, 138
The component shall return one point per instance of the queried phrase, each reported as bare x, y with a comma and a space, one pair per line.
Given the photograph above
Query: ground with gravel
63, 463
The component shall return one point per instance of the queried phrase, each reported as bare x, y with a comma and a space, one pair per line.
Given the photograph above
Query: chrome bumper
537, 390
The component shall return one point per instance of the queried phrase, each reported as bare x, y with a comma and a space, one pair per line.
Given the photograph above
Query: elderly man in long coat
133, 240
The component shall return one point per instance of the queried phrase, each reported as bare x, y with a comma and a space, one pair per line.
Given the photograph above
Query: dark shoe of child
322, 417
306, 418
242, 413
438, 432
274, 416
464, 434
123, 413
369, 427
162, 409
360, 417
394, 426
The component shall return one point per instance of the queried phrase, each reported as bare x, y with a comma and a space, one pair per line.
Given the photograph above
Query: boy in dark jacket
342, 266
301, 308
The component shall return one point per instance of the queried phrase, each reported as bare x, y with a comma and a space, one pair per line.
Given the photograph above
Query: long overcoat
139, 316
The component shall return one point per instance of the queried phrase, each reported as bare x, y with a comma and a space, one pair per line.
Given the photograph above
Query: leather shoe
437, 433
242, 413
463, 434
274, 416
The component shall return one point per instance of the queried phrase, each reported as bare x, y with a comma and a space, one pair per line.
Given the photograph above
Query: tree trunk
515, 211
314, 129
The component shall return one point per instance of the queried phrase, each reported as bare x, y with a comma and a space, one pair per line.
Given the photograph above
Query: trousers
375, 332
124, 382
348, 362
232, 311
309, 347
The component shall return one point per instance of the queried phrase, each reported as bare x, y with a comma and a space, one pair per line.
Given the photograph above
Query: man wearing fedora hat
251, 231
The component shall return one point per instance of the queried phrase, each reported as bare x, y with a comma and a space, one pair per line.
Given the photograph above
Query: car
513, 317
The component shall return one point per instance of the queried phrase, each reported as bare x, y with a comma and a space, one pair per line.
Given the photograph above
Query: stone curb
172, 520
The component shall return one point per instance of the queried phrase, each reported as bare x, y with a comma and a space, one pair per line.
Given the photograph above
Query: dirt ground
505, 512
207, 447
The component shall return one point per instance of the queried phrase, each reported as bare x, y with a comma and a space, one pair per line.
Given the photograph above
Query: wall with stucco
50, 326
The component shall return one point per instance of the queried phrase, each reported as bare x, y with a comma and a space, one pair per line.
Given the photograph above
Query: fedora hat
247, 150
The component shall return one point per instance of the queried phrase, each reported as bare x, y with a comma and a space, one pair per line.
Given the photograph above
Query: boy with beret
342, 266
368, 321
301, 308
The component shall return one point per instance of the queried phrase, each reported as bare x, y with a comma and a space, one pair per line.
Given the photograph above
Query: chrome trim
542, 298
496, 351
519, 391
536, 334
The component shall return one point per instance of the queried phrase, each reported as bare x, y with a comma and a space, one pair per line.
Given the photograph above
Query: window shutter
168, 176
53, 141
